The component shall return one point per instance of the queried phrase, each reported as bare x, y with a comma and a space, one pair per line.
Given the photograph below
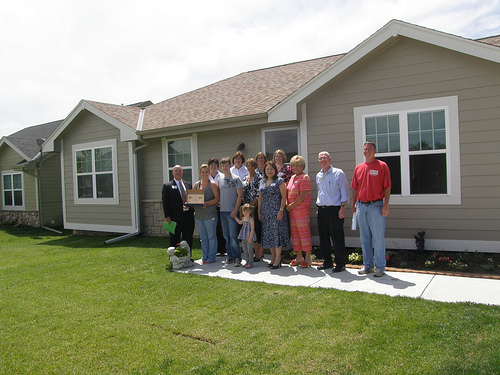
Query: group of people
263, 203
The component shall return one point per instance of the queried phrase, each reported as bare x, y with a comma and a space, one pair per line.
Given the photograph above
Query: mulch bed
479, 265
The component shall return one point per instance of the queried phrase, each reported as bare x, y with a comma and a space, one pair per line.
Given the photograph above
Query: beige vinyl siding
217, 143
29, 188
90, 128
411, 70
150, 167
50, 191
220, 144
9, 158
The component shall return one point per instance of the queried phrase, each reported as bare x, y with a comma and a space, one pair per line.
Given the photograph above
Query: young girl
247, 234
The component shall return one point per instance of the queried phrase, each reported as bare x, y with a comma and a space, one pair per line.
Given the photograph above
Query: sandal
304, 264
294, 263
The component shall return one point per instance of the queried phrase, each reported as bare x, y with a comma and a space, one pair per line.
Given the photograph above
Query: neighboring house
428, 99
30, 182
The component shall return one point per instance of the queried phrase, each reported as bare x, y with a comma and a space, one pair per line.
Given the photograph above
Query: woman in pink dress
299, 209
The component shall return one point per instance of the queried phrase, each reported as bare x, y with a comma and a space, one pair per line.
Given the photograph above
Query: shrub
430, 264
490, 264
458, 266
355, 258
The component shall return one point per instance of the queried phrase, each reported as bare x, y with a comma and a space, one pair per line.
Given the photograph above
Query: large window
286, 139
181, 152
95, 172
419, 142
12, 187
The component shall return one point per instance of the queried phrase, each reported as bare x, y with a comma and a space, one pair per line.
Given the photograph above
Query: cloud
55, 53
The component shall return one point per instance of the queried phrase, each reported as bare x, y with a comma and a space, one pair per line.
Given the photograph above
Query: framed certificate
195, 197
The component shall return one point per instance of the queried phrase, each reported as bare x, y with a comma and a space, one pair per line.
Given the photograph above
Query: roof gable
7, 143
487, 49
125, 118
24, 141
126, 115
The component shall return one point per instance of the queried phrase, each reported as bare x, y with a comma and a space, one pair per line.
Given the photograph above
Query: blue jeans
230, 231
208, 238
372, 232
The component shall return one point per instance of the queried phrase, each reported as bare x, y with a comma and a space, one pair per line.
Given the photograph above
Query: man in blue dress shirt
333, 195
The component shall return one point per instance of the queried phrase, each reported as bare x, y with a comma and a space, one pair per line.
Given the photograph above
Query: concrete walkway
417, 285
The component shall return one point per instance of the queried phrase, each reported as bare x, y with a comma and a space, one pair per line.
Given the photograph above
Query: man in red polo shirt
372, 189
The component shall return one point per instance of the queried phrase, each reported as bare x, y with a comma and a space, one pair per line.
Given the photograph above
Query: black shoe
273, 267
256, 259
338, 269
325, 267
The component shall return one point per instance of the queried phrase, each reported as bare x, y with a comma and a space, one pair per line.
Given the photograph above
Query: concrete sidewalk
417, 285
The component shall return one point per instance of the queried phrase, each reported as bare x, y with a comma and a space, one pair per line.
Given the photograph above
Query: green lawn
71, 305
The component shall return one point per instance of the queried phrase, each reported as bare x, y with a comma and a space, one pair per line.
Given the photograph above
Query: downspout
136, 188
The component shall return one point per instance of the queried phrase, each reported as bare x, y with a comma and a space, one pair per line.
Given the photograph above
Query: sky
55, 53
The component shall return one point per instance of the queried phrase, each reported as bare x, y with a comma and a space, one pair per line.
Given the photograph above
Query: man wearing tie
174, 199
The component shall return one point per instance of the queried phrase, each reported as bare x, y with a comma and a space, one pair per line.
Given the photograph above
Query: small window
426, 131
95, 173
286, 139
12, 185
180, 152
384, 131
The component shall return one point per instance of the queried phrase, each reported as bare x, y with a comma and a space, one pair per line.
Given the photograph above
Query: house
428, 99
31, 182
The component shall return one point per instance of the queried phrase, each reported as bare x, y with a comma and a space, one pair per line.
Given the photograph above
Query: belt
326, 206
369, 202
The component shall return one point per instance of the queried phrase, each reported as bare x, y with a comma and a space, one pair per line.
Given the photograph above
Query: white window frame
194, 157
450, 106
13, 207
282, 128
92, 146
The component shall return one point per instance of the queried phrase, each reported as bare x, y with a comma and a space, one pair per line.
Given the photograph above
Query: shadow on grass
142, 242
98, 242
24, 231
67, 239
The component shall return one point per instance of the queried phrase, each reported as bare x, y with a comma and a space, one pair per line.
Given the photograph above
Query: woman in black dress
272, 202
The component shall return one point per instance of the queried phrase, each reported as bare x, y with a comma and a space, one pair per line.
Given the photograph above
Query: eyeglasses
368, 149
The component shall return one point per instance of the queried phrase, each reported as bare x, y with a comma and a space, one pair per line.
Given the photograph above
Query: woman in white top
238, 169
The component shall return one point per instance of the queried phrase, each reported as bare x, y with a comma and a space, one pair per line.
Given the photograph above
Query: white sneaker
227, 261
379, 273
364, 271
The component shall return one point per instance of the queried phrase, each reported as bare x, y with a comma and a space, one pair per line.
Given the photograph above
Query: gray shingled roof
25, 139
